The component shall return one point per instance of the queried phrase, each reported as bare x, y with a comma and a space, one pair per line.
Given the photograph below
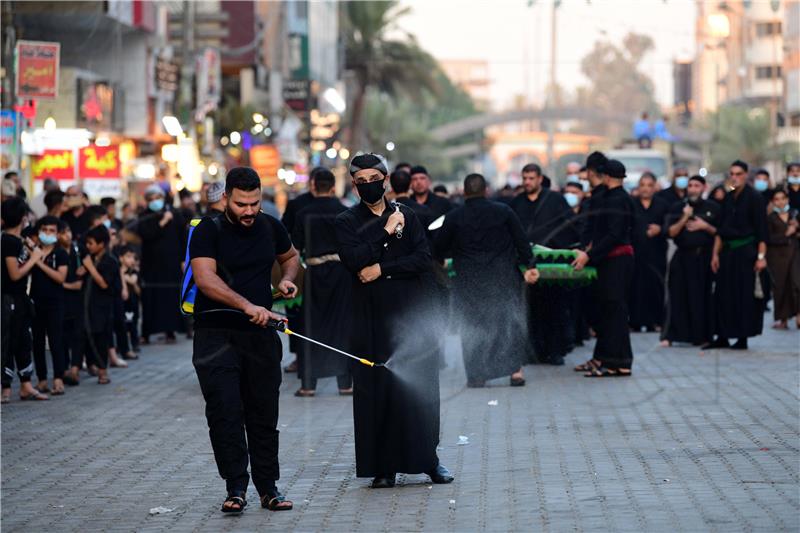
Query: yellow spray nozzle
366, 362
288, 331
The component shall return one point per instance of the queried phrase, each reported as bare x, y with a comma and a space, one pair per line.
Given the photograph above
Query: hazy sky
500, 30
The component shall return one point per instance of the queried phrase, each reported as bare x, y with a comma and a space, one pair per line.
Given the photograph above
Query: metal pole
551, 95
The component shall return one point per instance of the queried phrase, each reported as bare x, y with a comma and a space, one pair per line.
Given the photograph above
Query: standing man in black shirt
487, 244
739, 256
691, 226
47, 294
400, 181
237, 359
611, 251
793, 184
18, 260
396, 421
77, 216
545, 217
421, 185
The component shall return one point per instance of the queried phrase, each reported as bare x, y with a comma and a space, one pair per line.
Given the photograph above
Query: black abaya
162, 252
395, 412
647, 290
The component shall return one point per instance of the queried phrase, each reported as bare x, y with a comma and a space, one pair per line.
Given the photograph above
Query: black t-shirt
12, 247
78, 225
43, 289
108, 268
244, 261
73, 298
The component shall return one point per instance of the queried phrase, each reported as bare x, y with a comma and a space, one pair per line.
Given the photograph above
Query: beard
245, 221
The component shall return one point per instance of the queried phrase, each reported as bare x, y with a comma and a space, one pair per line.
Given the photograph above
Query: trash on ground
160, 510
463, 440
492, 402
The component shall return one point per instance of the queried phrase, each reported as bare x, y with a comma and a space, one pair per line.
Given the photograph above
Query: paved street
693, 442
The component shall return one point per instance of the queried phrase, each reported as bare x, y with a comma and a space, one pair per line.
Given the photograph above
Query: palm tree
390, 65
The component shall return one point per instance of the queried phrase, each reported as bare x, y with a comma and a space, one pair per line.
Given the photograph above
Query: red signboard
56, 164
99, 162
37, 69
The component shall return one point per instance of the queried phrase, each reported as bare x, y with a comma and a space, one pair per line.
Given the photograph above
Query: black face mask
371, 192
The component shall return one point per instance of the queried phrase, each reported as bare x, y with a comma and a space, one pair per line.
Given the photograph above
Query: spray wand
280, 325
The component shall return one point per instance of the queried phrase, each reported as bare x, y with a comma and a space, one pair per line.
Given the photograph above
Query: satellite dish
436, 224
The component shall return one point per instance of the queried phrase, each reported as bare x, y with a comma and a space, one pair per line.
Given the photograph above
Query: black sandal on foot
603, 372
235, 498
275, 501
588, 366
302, 393
517, 382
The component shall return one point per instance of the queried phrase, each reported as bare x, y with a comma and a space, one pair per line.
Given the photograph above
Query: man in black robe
650, 247
585, 220
546, 219
487, 244
739, 255
163, 234
327, 290
395, 412
295, 313
691, 226
421, 185
611, 252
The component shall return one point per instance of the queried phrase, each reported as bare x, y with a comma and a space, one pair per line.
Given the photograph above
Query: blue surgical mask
760, 185
794, 180
47, 239
156, 204
107, 224
573, 178
571, 198
681, 182
585, 185
784, 209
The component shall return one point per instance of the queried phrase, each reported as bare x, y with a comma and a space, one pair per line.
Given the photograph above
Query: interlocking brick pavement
693, 442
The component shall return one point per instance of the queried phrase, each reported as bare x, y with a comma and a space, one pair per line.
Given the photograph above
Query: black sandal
275, 501
603, 372
588, 366
235, 498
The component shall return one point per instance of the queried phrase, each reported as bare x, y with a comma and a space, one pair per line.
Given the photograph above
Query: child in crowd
130, 277
47, 294
73, 306
103, 284
19, 259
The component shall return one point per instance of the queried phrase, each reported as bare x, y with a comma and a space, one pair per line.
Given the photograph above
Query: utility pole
187, 68
551, 94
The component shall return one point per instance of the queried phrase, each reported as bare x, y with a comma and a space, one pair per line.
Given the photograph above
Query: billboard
37, 69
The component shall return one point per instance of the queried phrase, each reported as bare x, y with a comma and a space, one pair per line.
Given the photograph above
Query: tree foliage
745, 133
395, 66
615, 82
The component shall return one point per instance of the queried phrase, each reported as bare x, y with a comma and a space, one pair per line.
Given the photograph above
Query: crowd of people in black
701, 263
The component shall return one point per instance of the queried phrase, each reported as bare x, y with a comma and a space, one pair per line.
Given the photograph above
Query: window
767, 29
768, 72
